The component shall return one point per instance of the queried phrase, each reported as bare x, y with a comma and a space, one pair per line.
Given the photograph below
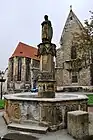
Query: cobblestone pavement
58, 135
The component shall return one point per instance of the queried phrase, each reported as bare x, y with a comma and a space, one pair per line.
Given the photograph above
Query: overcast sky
20, 21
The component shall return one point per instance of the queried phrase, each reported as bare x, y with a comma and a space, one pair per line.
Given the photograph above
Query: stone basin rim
58, 97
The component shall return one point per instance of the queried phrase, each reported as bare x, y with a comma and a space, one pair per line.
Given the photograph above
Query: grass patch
90, 99
1, 103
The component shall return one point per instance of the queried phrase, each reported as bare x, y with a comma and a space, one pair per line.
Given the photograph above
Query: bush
1, 104
90, 99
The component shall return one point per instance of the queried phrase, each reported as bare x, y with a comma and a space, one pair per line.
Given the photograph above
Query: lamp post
1, 80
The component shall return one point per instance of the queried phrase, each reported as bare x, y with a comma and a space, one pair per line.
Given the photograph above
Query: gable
25, 50
72, 25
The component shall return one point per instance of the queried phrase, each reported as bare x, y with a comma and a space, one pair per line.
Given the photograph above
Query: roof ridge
78, 20
25, 50
26, 45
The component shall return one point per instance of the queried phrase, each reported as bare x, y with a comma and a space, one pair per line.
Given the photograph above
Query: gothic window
28, 61
73, 52
12, 67
71, 18
36, 63
44, 87
19, 69
74, 77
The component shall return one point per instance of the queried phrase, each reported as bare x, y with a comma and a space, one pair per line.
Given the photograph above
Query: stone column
31, 73
23, 70
46, 52
46, 81
9, 71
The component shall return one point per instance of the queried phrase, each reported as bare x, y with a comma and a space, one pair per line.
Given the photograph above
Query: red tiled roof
25, 50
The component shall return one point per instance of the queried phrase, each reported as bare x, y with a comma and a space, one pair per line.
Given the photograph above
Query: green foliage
84, 40
90, 99
1, 104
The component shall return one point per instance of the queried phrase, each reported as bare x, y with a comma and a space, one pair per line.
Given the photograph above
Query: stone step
35, 123
28, 128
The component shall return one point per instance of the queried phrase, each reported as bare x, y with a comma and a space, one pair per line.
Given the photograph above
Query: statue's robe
47, 31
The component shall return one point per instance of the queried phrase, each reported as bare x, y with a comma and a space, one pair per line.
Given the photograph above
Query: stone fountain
45, 110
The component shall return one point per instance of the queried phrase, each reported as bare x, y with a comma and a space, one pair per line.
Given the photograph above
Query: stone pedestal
46, 79
77, 124
46, 52
46, 85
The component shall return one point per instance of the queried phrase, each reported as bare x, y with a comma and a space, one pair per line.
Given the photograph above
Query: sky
20, 21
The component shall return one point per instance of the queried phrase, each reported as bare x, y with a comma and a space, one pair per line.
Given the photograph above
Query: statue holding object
47, 31
46, 47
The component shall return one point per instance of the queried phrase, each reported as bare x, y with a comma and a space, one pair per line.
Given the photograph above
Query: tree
84, 41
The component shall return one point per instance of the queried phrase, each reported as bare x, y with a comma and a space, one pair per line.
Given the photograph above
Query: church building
70, 70
23, 69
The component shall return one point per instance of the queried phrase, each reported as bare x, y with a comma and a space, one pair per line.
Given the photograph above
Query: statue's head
46, 17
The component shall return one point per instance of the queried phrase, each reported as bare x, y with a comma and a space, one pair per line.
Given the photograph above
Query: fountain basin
28, 108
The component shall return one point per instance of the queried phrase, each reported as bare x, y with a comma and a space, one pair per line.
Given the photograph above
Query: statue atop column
47, 31
46, 52
46, 47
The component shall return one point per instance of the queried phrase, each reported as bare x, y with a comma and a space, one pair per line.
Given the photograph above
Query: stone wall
23, 85
53, 114
59, 58
59, 76
63, 59
84, 77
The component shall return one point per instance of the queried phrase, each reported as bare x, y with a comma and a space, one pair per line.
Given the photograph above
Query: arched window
28, 61
12, 68
19, 69
71, 18
73, 52
74, 77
